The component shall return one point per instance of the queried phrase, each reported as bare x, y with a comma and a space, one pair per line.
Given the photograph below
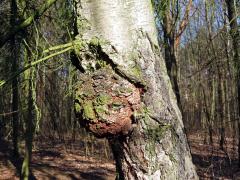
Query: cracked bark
155, 146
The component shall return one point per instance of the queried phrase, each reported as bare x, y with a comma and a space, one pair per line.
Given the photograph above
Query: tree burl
105, 103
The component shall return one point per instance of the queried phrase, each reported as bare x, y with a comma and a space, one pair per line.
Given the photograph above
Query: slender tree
15, 91
234, 32
30, 118
173, 24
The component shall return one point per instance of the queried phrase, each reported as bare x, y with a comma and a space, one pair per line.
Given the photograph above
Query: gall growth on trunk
105, 103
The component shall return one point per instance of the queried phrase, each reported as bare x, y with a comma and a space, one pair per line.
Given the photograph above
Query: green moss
155, 135
78, 46
78, 107
138, 115
153, 131
136, 71
135, 75
82, 25
102, 111
125, 90
143, 113
117, 105
172, 158
2, 82
158, 132
86, 91
101, 64
98, 126
133, 56
95, 41
88, 110
103, 99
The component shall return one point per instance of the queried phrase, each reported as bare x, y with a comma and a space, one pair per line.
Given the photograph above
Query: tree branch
183, 23
34, 63
27, 22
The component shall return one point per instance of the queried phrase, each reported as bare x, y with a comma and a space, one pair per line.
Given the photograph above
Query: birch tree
124, 92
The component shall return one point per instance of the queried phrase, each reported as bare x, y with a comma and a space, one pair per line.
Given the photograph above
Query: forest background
200, 44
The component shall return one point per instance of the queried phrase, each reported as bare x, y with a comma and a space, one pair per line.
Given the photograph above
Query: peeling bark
121, 36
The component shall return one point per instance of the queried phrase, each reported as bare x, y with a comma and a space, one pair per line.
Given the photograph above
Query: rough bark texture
15, 93
121, 36
235, 34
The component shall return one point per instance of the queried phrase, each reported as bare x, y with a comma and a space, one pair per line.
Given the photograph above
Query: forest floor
69, 160
60, 161
212, 162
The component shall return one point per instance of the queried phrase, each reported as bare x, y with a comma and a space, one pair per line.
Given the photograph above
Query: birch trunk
147, 138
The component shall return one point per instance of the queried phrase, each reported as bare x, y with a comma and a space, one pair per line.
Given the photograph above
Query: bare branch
183, 23
27, 22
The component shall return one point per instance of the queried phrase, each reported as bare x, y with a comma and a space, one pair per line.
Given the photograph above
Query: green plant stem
2, 83
54, 48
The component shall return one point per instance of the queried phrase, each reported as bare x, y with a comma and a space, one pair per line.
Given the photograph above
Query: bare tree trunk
171, 64
31, 115
30, 129
29, 91
234, 32
169, 49
220, 109
15, 93
208, 118
125, 93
